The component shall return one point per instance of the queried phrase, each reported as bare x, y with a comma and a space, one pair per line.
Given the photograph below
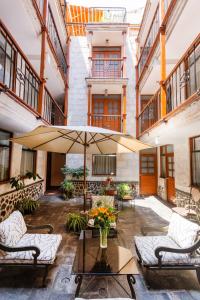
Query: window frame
191, 167
113, 175
10, 157
166, 155
34, 158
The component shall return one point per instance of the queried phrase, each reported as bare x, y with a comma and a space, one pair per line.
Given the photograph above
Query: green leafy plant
74, 173
68, 189
28, 205
123, 190
76, 222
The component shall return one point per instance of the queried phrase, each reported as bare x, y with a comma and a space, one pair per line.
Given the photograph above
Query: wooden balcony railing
150, 114
149, 42
181, 84
107, 68
17, 75
52, 112
112, 122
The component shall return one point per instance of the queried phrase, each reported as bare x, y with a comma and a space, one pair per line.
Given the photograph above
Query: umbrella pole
84, 169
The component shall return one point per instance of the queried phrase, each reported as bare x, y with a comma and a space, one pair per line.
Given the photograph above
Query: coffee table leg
131, 282
78, 281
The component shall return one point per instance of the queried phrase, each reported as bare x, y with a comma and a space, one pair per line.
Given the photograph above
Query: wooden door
170, 177
106, 112
148, 173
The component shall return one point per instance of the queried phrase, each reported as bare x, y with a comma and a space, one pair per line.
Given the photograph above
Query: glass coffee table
113, 261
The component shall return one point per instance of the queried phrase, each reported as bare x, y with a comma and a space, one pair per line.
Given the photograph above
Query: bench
179, 249
21, 249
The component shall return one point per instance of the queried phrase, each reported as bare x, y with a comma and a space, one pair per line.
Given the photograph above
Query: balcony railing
17, 75
107, 68
149, 42
52, 113
113, 122
107, 15
55, 40
180, 85
150, 114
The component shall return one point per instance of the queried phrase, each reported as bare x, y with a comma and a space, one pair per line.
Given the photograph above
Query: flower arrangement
101, 217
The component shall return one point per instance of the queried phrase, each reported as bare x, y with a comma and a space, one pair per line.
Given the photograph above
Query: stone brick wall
95, 186
10, 199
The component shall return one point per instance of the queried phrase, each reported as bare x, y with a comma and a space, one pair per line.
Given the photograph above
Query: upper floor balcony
182, 86
21, 82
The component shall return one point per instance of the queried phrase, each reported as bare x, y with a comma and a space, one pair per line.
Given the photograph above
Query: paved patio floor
25, 284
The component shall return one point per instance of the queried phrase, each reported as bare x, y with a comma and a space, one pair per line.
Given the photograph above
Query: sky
134, 8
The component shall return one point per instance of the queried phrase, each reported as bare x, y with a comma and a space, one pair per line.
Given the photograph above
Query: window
167, 161
195, 160
104, 164
28, 161
5, 150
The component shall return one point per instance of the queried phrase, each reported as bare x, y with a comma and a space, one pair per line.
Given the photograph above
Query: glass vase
103, 237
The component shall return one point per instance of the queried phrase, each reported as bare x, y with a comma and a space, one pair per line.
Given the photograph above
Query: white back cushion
182, 231
12, 229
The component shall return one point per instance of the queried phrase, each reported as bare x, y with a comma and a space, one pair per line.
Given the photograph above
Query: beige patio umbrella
80, 140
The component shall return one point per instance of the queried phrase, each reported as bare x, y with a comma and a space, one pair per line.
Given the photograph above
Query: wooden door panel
170, 189
148, 174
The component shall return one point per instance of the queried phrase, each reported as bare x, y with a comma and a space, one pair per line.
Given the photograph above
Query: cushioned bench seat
146, 246
47, 243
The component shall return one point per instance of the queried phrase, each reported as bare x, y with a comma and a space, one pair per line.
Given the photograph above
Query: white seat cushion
182, 231
47, 243
146, 246
12, 229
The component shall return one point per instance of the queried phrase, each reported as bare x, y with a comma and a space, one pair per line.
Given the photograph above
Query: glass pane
170, 148
163, 167
170, 173
151, 158
4, 163
8, 70
104, 165
196, 168
144, 158
151, 170
27, 162
151, 164
2, 58
197, 143
144, 171
144, 164
2, 41
4, 138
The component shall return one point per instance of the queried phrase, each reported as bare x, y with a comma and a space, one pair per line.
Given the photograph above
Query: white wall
127, 164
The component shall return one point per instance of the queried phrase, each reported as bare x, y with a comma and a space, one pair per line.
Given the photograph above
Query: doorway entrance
148, 172
55, 161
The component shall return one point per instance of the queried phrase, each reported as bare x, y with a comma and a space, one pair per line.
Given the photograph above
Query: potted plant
27, 205
123, 190
76, 222
68, 189
74, 173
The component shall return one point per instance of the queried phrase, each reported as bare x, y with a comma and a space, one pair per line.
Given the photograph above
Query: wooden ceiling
78, 16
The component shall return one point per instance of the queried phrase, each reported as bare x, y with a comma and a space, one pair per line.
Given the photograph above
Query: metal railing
107, 15
180, 85
55, 40
151, 37
113, 122
19, 77
107, 68
150, 114
52, 112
